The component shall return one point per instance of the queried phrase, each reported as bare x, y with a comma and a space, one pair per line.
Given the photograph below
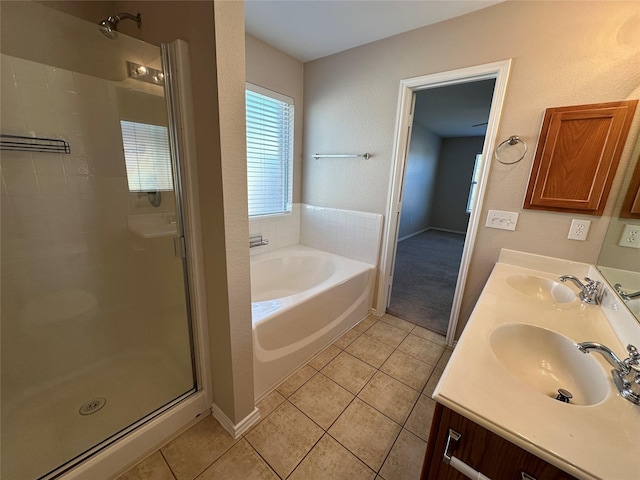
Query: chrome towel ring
512, 140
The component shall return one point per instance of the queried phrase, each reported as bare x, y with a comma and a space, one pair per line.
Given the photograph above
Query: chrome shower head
109, 27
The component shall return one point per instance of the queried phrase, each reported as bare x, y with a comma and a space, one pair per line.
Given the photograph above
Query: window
473, 189
147, 157
269, 151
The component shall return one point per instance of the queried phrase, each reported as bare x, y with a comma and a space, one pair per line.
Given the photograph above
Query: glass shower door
95, 328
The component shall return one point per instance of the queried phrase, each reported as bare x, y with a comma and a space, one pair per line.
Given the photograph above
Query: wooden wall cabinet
631, 205
482, 450
577, 156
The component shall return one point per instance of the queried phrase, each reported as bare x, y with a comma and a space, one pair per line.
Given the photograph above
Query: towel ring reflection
512, 140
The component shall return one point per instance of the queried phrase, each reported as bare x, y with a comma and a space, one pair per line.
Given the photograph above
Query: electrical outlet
630, 236
579, 229
502, 220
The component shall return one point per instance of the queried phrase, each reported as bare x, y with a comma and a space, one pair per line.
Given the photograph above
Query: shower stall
96, 328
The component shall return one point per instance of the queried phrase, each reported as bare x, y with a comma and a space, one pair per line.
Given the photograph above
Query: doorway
438, 193
496, 73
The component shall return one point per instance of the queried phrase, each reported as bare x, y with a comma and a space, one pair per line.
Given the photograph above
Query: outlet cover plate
579, 229
630, 236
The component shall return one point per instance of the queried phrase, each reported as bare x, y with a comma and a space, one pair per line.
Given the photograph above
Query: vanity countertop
598, 441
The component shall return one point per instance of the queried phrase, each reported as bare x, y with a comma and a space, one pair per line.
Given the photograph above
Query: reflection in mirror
619, 260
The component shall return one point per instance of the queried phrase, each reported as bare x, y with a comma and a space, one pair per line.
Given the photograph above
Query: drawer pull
456, 463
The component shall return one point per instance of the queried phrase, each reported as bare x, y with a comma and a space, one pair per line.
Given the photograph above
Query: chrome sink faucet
626, 295
589, 292
626, 373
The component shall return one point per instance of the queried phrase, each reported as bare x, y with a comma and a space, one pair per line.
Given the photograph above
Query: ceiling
311, 29
460, 110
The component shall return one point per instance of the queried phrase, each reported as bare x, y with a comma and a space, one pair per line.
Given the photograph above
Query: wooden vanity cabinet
482, 450
577, 156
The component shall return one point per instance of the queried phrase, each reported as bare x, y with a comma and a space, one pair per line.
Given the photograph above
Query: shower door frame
113, 457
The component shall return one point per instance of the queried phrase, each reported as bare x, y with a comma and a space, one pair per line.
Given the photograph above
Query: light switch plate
630, 236
502, 220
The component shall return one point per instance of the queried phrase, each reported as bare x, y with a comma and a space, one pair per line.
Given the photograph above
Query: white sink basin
548, 361
542, 288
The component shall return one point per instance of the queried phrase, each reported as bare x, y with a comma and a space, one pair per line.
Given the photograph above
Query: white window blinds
147, 157
269, 151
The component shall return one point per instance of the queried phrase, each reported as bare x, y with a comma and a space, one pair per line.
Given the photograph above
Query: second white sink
542, 289
548, 361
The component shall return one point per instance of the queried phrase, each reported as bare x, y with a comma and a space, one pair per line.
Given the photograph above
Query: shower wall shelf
366, 156
33, 144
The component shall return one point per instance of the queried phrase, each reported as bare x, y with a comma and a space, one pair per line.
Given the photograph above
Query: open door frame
404, 120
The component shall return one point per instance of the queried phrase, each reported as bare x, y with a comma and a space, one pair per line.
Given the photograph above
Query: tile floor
361, 409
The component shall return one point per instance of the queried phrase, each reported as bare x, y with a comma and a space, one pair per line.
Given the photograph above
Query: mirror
620, 265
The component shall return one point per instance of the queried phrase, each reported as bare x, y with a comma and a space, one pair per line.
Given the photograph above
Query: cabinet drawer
483, 451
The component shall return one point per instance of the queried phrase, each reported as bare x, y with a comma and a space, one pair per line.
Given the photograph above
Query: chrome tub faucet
626, 373
589, 292
257, 241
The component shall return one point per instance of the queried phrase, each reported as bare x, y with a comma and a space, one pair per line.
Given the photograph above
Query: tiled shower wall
347, 233
64, 227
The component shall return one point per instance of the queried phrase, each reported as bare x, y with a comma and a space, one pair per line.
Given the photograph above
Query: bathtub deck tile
295, 381
370, 350
349, 372
322, 400
319, 361
385, 333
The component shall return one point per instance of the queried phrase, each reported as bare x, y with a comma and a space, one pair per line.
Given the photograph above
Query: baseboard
431, 228
414, 234
447, 230
235, 430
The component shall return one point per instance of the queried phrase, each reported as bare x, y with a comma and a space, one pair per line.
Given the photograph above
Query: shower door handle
180, 247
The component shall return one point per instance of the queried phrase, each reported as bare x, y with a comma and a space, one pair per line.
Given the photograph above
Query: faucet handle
634, 358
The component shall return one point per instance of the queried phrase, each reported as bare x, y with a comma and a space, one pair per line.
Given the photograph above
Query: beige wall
274, 70
564, 53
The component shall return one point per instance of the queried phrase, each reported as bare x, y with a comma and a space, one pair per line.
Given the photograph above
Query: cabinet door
577, 156
483, 451
631, 205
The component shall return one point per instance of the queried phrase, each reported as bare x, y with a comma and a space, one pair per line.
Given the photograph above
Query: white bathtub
302, 300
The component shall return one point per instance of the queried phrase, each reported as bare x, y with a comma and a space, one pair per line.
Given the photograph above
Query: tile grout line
377, 369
